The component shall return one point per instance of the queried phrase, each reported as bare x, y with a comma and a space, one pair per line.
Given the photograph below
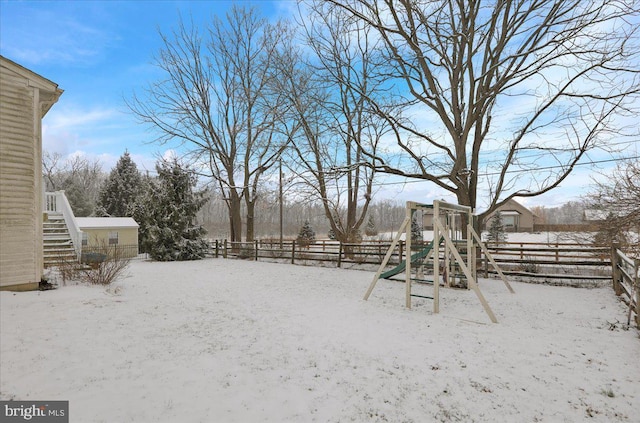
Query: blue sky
100, 52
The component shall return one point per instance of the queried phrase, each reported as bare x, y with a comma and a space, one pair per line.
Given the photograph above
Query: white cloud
67, 39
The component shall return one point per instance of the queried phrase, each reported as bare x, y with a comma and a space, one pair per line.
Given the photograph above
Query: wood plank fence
626, 282
549, 261
526, 260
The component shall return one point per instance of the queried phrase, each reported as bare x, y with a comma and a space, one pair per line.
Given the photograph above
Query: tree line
186, 207
496, 100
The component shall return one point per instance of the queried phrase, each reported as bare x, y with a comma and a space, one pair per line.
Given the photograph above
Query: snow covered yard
237, 341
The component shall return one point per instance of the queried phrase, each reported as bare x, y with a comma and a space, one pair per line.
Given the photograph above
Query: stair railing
57, 202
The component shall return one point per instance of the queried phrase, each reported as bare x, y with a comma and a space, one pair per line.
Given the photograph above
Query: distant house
120, 232
595, 216
25, 98
515, 217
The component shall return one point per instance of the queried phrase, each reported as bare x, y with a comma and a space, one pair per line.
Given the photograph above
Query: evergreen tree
496, 232
416, 230
142, 210
371, 229
78, 198
121, 190
307, 235
170, 212
331, 234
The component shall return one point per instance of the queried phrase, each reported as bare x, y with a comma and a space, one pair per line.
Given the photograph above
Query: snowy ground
237, 341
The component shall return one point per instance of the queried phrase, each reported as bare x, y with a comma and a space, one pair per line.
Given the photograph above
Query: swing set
456, 237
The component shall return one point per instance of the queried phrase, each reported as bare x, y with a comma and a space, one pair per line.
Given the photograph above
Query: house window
113, 238
85, 239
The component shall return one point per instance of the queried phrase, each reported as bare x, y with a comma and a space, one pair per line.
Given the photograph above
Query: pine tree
307, 235
121, 190
171, 207
496, 232
331, 234
371, 229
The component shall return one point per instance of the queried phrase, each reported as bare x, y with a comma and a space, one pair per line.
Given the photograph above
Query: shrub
109, 265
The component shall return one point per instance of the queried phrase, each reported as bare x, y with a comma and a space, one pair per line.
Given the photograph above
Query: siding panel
18, 258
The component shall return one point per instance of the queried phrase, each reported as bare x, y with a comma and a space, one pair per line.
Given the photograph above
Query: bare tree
215, 99
506, 96
78, 176
330, 120
618, 198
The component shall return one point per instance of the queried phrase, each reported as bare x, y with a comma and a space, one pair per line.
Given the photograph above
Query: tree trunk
251, 206
235, 218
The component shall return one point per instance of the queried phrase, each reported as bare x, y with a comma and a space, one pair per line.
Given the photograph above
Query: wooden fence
564, 263
552, 261
626, 282
525, 260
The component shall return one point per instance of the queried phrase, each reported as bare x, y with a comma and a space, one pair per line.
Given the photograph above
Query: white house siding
24, 98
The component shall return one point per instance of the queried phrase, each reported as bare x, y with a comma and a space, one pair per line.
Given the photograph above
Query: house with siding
25, 98
515, 217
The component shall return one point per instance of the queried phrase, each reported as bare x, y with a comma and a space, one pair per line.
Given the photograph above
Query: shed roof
106, 222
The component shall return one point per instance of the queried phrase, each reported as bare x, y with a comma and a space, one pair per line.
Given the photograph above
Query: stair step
57, 238
60, 245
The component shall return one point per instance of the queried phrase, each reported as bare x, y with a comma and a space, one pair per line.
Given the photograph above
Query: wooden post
407, 268
436, 257
385, 260
224, 252
521, 251
293, 252
472, 283
340, 254
256, 251
636, 269
615, 270
217, 247
490, 258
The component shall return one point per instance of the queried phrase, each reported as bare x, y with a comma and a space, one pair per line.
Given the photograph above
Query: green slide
414, 258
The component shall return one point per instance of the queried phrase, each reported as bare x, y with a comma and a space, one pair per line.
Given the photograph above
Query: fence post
224, 251
256, 251
340, 254
521, 251
615, 270
636, 269
293, 252
217, 247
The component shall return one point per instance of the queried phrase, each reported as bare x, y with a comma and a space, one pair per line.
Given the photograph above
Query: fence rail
532, 261
568, 261
626, 282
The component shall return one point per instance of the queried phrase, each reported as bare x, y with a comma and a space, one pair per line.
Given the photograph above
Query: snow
106, 222
240, 341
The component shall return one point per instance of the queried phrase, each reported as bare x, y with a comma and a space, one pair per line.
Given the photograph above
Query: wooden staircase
58, 247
